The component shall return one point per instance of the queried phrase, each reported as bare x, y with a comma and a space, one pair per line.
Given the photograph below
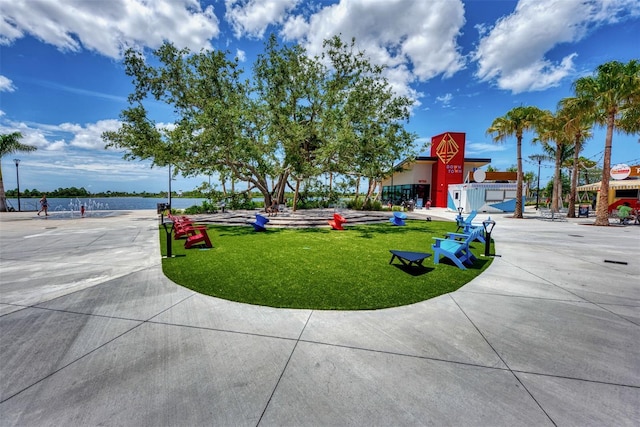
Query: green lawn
318, 268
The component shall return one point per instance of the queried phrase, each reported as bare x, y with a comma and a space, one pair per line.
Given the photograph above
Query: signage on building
449, 149
620, 171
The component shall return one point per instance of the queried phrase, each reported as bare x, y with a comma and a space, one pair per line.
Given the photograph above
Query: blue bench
260, 223
463, 223
409, 258
398, 218
478, 231
458, 251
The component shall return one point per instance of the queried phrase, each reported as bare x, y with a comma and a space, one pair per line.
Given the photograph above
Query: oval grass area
319, 268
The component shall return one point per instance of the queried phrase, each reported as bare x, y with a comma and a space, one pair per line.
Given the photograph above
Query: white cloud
89, 137
252, 17
512, 54
483, 147
109, 27
64, 136
416, 39
6, 85
38, 137
445, 99
75, 154
241, 55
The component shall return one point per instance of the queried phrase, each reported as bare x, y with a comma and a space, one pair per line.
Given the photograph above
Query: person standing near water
44, 205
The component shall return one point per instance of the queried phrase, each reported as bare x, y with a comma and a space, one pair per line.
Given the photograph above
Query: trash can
162, 207
583, 210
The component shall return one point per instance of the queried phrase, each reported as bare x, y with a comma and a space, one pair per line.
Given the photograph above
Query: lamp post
538, 186
169, 195
539, 158
488, 225
17, 162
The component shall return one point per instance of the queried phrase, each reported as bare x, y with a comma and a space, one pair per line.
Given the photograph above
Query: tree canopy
296, 118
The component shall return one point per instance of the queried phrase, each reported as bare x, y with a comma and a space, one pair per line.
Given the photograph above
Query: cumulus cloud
416, 39
513, 53
90, 136
6, 85
252, 17
109, 27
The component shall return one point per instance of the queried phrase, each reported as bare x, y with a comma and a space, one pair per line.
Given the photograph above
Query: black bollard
169, 231
488, 228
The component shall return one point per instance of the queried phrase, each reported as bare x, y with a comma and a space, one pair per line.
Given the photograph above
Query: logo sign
620, 171
447, 149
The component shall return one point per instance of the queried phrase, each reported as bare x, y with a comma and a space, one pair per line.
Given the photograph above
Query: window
494, 196
627, 194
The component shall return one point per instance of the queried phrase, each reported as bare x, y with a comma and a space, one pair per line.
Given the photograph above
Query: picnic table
409, 258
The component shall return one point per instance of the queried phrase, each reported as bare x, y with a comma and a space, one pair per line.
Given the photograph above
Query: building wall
415, 173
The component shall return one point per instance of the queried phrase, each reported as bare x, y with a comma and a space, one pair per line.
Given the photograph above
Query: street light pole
539, 158
538, 189
17, 162
169, 186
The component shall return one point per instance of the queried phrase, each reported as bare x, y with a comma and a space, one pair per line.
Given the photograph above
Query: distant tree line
82, 192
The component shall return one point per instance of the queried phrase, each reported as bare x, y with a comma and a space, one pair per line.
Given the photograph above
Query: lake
101, 203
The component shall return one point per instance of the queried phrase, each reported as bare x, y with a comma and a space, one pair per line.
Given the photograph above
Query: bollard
169, 231
488, 225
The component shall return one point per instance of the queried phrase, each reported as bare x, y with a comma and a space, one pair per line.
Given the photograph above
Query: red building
428, 177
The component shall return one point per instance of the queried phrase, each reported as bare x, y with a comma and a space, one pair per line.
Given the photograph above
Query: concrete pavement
92, 333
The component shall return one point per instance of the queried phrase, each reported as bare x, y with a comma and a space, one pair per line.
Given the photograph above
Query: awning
625, 184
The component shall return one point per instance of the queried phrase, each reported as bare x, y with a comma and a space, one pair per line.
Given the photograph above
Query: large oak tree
296, 118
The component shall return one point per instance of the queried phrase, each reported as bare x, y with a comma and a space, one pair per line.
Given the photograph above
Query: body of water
72, 204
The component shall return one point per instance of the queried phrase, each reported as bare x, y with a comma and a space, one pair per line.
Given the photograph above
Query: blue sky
465, 62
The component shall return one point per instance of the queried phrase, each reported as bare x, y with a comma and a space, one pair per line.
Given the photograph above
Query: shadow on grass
478, 264
413, 270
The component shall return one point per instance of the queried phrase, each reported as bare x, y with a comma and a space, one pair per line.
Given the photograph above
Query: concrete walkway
92, 334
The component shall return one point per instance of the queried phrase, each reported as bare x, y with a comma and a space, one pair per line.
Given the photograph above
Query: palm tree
562, 154
558, 145
516, 122
9, 144
613, 96
578, 127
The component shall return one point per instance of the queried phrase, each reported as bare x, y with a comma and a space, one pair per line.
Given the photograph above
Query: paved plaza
92, 333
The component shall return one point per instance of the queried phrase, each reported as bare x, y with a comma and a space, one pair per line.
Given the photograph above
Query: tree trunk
602, 210
3, 197
518, 212
295, 195
281, 187
557, 182
574, 179
379, 194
